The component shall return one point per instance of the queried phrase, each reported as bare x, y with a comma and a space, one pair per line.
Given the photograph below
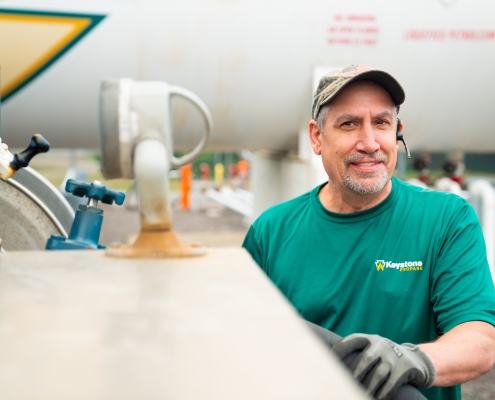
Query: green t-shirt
409, 269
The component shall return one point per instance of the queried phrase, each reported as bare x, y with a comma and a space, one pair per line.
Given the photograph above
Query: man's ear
315, 135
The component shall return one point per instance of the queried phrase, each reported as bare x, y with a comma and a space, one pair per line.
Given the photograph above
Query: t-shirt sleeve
461, 284
253, 247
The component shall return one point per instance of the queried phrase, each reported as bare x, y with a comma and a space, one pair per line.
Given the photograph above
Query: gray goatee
365, 182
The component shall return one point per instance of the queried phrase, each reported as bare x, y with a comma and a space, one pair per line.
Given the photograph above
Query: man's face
359, 147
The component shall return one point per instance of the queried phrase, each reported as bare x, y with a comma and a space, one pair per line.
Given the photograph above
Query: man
369, 255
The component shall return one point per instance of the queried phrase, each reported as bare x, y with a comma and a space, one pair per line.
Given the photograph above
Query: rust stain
178, 52
223, 117
222, 87
153, 227
162, 213
156, 244
180, 115
237, 62
156, 239
160, 207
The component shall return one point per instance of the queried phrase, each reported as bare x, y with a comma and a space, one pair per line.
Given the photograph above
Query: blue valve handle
94, 191
85, 231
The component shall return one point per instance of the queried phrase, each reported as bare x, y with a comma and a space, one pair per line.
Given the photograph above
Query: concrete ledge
79, 325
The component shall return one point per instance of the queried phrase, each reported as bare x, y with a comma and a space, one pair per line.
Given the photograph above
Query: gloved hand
384, 366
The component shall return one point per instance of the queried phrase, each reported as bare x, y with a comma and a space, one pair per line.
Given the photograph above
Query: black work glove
384, 366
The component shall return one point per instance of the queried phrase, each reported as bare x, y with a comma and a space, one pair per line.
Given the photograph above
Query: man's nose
367, 140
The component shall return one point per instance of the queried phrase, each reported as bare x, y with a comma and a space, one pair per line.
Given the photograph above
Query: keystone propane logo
405, 266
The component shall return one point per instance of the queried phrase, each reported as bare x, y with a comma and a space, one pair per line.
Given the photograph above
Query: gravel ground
482, 388
217, 227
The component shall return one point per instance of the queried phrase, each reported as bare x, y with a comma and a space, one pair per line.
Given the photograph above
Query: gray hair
321, 118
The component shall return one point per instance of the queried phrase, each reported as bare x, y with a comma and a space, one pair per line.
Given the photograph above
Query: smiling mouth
366, 164
369, 162
367, 167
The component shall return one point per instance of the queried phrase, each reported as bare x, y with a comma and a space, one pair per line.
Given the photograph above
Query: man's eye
348, 123
382, 122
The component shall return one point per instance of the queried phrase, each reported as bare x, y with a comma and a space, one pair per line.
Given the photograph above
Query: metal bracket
137, 142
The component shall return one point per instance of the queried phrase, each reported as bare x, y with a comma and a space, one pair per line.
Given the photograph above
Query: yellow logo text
406, 266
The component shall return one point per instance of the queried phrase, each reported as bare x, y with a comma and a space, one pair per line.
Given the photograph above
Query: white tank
252, 62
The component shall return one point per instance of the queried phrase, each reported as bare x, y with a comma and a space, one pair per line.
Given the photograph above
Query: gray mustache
358, 157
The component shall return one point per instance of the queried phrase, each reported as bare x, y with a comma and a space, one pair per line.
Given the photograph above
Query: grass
56, 176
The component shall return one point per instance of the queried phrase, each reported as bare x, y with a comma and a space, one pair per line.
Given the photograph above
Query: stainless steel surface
79, 325
49, 195
115, 131
92, 203
25, 222
40, 205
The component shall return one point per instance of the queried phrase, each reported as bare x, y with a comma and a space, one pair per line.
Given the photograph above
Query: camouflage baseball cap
331, 84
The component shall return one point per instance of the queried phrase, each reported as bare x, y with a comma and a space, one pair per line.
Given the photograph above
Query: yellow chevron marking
29, 42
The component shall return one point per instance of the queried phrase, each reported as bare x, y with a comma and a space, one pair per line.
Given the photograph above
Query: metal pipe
151, 167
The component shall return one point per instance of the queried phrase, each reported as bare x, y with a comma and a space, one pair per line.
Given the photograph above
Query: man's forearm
462, 354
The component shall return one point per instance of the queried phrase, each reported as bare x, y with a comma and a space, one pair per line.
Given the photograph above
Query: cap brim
382, 78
